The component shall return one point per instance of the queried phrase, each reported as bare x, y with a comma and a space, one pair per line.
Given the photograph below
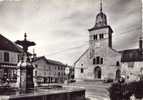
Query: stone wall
70, 95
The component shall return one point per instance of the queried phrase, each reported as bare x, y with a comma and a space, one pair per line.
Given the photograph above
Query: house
49, 71
9, 57
132, 62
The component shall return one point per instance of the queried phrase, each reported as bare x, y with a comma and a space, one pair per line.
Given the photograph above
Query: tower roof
101, 19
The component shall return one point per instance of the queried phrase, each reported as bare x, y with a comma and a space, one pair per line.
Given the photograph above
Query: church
101, 61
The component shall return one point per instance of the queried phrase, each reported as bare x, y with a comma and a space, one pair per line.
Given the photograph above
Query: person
138, 93
118, 90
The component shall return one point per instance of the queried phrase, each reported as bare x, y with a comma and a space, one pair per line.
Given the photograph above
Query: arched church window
101, 60
98, 59
101, 36
94, 61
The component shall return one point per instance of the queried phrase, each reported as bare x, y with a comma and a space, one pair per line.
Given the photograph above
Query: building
9, 57
49, 71
132, 62
100, 60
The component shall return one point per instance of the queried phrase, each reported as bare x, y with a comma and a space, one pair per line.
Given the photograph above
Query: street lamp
67, 71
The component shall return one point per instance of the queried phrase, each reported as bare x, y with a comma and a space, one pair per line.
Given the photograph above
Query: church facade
100, 60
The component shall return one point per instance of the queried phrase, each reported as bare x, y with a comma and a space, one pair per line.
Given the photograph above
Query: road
95, 90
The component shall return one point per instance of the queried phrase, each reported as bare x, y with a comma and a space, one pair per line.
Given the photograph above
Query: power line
61, 51
124, 33
77, 47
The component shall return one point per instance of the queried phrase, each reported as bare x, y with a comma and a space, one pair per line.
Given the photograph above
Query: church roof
49, 61
6, 44
131, 55
81, 56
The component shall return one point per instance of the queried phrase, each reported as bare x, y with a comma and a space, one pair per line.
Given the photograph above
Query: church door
97, 72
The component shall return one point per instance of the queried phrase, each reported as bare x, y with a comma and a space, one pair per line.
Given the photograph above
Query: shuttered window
6, 56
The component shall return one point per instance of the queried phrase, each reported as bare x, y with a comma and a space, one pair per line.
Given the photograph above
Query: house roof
6, 44
131, 55
49, 61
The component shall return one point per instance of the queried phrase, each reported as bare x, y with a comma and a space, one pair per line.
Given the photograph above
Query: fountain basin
65, 93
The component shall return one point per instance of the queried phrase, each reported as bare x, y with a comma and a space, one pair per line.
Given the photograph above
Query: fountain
26, 68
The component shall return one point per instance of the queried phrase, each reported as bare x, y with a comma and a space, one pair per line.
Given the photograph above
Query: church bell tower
100, 36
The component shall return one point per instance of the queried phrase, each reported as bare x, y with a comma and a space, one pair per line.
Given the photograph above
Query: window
6, 56
94, 61
58, 67
58, 73
49, 68
82, 70
131, 64
98, 60
95, 37
117, 63
36, 66
101, 36
1, 56
101, 61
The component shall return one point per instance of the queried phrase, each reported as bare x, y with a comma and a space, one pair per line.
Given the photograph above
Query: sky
60, 27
